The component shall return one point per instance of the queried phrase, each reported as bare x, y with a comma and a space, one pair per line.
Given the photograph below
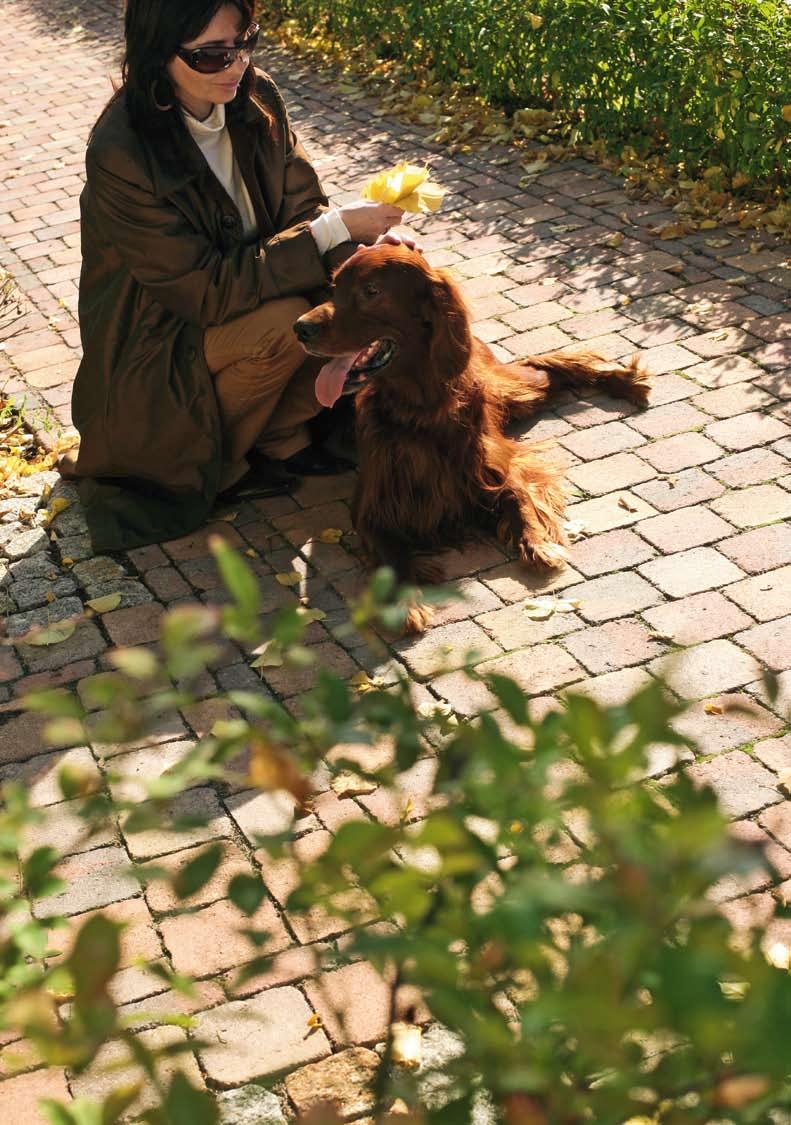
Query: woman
205, 234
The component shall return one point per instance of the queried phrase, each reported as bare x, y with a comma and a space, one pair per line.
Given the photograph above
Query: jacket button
228, 221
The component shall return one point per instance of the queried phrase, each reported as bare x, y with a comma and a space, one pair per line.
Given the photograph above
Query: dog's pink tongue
331, 378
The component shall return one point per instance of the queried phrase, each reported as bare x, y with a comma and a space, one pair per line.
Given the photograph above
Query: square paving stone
706, 669
742, 785
701, 617
612, 595
690, 572
92, 879
255, 1038
765, 596
739, 720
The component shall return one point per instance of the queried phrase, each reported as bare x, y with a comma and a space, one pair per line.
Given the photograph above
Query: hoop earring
161, 108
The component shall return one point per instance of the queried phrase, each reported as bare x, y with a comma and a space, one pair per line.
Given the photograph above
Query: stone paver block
672, 418
735, 398
537, 670
445, 648
613, 595
514, 581
725, 370
511, 627
684, 528
760, 550
601, 441
775, 752
605, 513
699, 618
692, 486
288, 681
40, 774
667, 357
160, 895
345, 1080
751, 507
113, 1067
683, 451
20, 1096
254, 1038
621, 470
615, 645
706, 669
613, 550
92, 879
690, 572
137, 625
746, 430
85, 642
249, 1105
267, 813
765, 596
777, 820
742, 785
753, 466
202, 804
353, 1002
770, 643
21, 737
208, 941
613, 689
738, 720
66, 831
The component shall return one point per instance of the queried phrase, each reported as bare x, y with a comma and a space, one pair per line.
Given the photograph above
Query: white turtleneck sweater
212, 138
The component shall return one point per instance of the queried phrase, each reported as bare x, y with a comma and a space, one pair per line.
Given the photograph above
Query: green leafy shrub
551, 904
705, 82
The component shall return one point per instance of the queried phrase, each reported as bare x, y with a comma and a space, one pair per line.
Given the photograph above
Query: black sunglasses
211, 60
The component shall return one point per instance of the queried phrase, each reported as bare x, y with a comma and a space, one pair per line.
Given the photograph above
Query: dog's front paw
543, 553
418, 618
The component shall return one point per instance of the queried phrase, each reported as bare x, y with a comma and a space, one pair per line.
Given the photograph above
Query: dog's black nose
306, 330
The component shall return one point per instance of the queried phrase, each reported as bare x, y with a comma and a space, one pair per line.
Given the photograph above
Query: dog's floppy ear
445, 312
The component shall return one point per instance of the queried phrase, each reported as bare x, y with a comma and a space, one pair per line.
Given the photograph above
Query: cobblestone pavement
685, 510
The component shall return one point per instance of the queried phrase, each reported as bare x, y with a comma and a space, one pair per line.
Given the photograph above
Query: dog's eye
371, 290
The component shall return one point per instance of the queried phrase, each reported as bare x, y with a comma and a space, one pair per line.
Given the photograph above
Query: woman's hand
400, 240
367, 221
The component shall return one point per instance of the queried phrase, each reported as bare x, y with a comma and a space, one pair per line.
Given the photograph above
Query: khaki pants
264, 383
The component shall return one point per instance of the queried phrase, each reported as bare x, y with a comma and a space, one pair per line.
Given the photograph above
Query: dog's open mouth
345, 373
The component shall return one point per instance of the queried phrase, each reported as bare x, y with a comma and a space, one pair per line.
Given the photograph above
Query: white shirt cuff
329, 230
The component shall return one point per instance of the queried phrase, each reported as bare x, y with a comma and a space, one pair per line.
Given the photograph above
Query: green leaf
186, 1105
139, 663
118, 1101
56, 702
37, 870
510, 696
238, 577
94, 958
246, 892
194, 875
55, 1113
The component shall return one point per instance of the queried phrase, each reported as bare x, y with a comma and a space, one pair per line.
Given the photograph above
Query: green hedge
704, 81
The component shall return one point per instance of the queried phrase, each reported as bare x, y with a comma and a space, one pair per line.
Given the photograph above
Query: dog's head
391, 316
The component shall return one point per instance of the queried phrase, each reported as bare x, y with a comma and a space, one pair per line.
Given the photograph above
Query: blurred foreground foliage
552, 904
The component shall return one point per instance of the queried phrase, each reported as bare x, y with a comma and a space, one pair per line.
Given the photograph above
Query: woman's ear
450, 341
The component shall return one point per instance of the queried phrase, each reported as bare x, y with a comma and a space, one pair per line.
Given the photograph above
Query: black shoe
315, 461
259, 482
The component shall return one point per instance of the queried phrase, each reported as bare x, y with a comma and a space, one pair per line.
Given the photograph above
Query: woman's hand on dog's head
367, 221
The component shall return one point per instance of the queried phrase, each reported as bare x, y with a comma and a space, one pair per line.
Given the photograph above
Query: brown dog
433, 400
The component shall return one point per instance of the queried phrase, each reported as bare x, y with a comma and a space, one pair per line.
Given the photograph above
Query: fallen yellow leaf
51, 635
330, 535
348, 784
289, 578
106, 604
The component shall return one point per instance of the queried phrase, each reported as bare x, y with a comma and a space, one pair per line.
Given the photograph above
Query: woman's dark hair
154, 30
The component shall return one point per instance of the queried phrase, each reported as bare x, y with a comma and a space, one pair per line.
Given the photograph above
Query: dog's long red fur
435, 464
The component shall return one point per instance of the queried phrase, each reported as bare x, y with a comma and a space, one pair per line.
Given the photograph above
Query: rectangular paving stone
512, 628
254, 1038
113, 1067
612, 646
672, 418
685, 528
446, 648
202, 804
689, 572
723, 371
204, 942
613, 595
621, 470
770, 643
39, 775
612, 550
93, 879
746, 430
753, 466
751, 507
742, 785
679, 490
267, 813
353, 1002
740, 721
21, 1095
702, 617
764, 596
605, 513
760, 550
716, 666
612, 689
683, 451
601, 441
536, 670
735, 398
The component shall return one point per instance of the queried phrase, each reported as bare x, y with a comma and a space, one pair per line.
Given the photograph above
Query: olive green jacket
163, 258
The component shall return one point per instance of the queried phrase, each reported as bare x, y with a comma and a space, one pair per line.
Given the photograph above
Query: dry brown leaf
624, 503
713, 709
330, 535
348, 784
106, 604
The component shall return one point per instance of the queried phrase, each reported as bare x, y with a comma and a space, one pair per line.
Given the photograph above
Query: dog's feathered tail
524, 387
